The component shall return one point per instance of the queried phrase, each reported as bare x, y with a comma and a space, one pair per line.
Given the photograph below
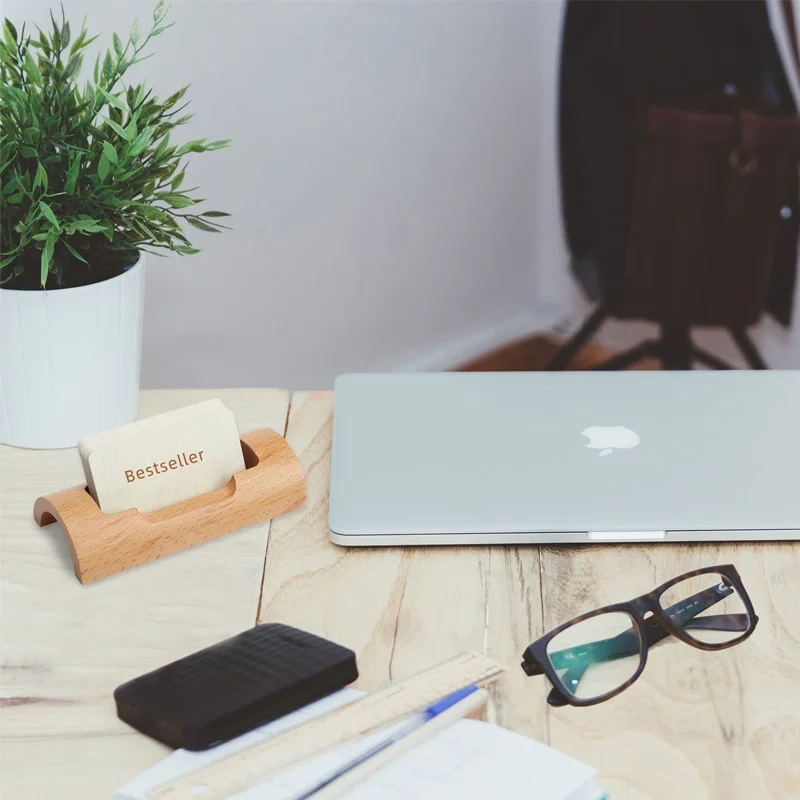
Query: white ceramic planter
69, 360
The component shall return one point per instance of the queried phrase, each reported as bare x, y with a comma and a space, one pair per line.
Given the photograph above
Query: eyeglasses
599, 654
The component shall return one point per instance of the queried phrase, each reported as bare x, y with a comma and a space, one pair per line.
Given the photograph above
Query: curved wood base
103, 544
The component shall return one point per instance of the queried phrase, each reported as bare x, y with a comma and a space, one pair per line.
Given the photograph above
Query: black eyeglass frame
649, 632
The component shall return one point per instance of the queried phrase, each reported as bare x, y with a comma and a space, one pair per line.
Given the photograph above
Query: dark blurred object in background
712, 178
620, 56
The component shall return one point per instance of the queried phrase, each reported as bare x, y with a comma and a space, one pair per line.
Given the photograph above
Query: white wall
393, 182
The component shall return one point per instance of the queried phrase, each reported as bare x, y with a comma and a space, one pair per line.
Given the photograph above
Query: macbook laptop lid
490, 458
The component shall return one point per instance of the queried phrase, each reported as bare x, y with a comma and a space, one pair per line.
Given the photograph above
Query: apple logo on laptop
607, 438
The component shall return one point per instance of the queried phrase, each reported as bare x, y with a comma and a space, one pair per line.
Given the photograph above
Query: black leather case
232, 687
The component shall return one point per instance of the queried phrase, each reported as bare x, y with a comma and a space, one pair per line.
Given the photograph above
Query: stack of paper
471, 761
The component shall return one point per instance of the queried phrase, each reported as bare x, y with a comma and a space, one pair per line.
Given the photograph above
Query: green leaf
29, 152
153, 212
84, 226
48, 214
178, 200
131, 130
178, 179
47, 259
65, 35
118, 129
159, 11
41, 177
78, 43
109, 152
196, 222
195, 146
102, 168
6, 261
173, 98
140, 142
117, 45
108, 67
72, 174
215, 214
73, 66
219, 144
112, 99
12, 185
10, 36
186, 250
32, 69
135, 31
75, 252
87, 42
160, 29
126, 175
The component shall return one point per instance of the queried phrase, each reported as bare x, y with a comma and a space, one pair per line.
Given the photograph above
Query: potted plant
91, 181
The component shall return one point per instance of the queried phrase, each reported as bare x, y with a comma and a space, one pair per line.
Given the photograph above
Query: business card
163, 460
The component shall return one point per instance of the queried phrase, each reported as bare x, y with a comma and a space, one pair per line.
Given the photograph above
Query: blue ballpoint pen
412, 725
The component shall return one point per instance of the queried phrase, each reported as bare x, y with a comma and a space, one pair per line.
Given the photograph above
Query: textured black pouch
232, 687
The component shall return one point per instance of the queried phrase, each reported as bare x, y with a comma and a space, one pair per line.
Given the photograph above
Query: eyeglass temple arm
626, 643
684, 615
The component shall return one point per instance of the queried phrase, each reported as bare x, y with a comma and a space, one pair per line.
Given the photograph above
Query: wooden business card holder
271, 484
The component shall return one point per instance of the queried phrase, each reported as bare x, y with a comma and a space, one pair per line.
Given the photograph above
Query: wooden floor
536, 352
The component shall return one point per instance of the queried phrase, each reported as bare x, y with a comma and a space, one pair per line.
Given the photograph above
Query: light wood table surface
697, 725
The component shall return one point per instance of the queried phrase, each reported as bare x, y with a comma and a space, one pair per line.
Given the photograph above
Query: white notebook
471, 760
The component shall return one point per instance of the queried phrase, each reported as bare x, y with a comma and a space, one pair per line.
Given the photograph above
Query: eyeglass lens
707, 608
596, 656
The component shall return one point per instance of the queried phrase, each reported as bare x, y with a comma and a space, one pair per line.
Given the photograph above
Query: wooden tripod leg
675, 348
563, 357
748, 348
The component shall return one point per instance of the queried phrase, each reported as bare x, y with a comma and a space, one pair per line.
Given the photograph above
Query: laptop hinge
637, 536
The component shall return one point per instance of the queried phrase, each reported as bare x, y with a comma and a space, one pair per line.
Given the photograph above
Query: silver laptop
510, 458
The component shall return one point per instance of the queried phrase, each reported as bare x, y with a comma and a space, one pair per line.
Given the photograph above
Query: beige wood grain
80, 767
65, 647
104, 544
697, 725
514, 620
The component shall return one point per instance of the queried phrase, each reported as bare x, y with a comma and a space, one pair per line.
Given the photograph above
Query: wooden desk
697, 725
